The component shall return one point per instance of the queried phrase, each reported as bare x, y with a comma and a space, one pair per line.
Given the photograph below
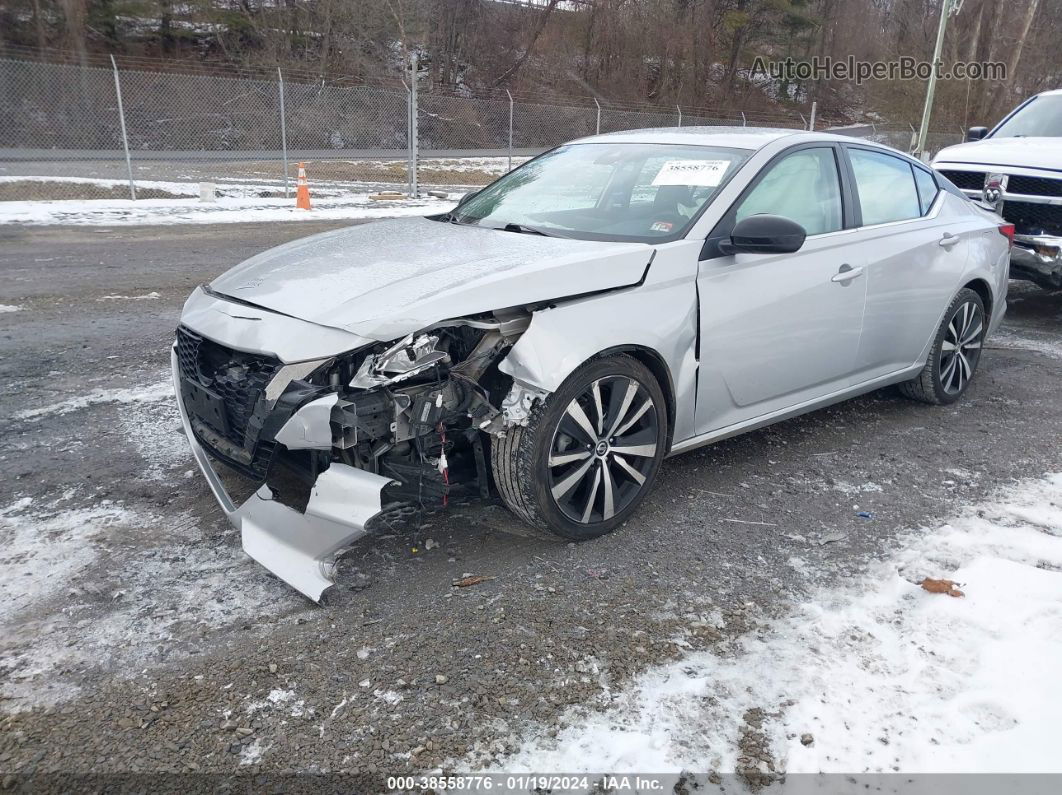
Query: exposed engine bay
409, 419
416, 411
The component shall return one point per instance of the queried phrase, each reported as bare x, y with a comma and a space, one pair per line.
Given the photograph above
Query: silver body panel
744, 340
384, 280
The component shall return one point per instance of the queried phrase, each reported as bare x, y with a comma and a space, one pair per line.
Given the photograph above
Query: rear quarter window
948, 186
927, 188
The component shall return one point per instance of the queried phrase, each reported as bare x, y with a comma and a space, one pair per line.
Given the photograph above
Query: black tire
955, 353
521, 460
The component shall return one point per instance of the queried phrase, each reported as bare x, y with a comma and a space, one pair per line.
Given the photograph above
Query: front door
778, 330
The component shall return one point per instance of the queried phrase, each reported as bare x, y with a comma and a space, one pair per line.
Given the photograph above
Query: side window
927, 188
804, 187
885, 186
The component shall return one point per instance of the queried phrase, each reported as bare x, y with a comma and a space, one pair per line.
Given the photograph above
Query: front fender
660, 316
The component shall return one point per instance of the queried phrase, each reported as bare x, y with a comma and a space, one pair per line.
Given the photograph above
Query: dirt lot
136, 637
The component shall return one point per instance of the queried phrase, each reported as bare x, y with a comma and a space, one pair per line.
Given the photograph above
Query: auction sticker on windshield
706, 173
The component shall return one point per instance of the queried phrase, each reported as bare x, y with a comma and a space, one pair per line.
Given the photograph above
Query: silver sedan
558, 333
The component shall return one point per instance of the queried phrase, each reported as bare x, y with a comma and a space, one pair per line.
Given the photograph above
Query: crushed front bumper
1037, 258
299, 548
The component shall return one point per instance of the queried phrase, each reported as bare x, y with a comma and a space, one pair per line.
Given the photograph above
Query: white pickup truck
1017, 169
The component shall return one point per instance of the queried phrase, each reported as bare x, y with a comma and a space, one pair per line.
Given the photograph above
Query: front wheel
588, 454
955, 353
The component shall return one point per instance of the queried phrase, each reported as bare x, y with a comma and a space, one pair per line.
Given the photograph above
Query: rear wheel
956, 351
588, 454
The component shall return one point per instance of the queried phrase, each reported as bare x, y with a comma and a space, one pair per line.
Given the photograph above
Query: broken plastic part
288, 373
310, 427
516, 407
299, 548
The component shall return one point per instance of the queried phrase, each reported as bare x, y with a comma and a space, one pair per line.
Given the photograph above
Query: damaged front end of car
332, 442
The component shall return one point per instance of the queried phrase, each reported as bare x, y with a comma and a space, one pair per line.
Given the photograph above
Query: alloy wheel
961, 347
603, 450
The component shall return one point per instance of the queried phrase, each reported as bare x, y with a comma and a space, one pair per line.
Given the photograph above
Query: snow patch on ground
109, 212
118, 589
858, 488
387, 696
155, 431
279, 698
876, 676
88, 585
9, 308
1048, 346
251, 754
492, 166
141, 394
152, 296
42, 550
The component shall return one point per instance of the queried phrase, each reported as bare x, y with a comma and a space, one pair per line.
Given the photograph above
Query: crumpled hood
386, 279
1039, 153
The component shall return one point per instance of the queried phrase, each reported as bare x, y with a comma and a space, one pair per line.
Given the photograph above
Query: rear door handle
948, 240
846, 273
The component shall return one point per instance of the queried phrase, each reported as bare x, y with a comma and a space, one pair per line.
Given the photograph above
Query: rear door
914, 253
779, 330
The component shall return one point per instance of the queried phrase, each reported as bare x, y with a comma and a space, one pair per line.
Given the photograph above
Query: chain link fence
65, 131
904, 139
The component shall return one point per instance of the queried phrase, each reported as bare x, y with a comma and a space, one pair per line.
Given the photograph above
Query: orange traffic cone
302, 190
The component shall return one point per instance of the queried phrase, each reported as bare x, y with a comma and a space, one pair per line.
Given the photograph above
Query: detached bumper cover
299, 548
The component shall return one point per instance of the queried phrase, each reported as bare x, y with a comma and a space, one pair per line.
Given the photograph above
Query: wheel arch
984, 290
656, 326
656, 365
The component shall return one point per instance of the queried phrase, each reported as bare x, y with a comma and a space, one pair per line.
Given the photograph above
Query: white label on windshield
706, 173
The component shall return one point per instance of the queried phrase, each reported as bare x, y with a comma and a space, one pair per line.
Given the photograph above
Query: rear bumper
297, 547
1037, 259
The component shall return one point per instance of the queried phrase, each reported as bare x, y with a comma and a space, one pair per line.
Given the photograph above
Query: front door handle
948, 240
846, 273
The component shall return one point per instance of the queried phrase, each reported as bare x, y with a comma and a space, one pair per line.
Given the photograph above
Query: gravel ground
152, 645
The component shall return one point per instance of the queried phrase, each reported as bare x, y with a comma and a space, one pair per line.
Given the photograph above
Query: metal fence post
283, 130
409, 141
743, 122
598, 130
811, 124
125, 137
510, 129
679, 108
413, 132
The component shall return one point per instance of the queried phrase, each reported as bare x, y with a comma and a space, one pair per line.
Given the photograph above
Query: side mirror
467, 196
976, 133
765, 234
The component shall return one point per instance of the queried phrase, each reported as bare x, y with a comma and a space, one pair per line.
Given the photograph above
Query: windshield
601, 191
1042, 117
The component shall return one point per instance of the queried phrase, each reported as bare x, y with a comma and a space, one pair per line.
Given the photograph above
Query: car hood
386, 279
1042, 153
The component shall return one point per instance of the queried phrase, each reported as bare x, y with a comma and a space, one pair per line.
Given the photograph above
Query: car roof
731, 137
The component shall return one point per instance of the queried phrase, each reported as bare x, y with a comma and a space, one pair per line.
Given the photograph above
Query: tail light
1007, 230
